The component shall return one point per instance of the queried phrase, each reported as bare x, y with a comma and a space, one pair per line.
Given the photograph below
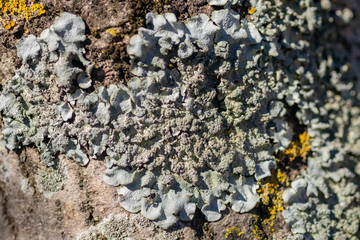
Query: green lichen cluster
233, 233
202, 121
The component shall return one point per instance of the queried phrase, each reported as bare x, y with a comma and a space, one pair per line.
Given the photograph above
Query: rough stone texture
28, 212
64, 212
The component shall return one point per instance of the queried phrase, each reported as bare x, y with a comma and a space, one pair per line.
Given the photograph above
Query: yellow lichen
9, 24
230, 131
11, 11
281, 177
113, 32
272, 202
299, 148
270, 191
234, 231
258, 232
251, 10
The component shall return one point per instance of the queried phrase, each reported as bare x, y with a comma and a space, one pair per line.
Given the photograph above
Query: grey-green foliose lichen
201, 121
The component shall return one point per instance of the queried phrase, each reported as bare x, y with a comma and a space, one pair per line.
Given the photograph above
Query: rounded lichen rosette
197, 121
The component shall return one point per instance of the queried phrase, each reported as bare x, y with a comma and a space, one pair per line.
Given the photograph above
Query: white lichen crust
202, 119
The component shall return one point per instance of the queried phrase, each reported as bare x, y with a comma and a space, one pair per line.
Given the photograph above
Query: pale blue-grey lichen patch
202, 119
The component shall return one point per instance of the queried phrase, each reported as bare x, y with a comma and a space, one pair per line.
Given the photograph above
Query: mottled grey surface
207, 111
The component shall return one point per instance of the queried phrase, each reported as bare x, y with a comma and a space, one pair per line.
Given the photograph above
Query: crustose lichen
232, 233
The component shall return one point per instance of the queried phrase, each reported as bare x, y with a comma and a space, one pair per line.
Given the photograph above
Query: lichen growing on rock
113, 227
123, 226
299, 148
270, 205
199, 124
11, 11
51, 179
51, 66
233, 233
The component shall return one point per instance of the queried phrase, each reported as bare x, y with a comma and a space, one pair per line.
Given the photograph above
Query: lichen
51, 179
258, 232
299, 148
116, 51
251, 10
140, 9
211, 104
113, 227
232, 233
11, 11
113, 31
271, 204
123, 226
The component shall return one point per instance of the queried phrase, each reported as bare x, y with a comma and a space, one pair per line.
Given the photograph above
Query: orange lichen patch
299, 148
230, 131
232, 233
251, 10
269, 189
281, 177
114, 32
277, 206
272, 202
13, 10
9, 24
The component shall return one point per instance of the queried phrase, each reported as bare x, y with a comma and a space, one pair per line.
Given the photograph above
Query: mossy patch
140, 9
